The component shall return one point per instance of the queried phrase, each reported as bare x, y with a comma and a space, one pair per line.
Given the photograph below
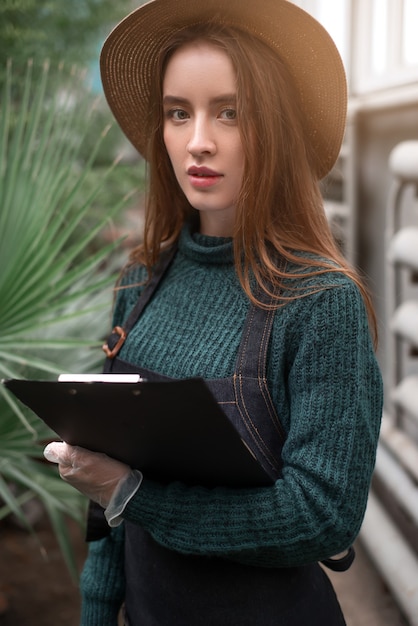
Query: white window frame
396, 72
354, 40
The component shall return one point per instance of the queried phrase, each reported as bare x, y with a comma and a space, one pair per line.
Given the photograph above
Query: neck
216, 225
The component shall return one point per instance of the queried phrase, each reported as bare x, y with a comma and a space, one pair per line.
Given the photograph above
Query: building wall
378, 131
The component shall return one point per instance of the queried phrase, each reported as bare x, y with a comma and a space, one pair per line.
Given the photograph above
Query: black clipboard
171, 431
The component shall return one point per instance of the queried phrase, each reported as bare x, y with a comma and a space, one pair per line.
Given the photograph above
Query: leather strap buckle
111, 353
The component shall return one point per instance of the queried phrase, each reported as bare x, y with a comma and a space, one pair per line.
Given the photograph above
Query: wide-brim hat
129, 56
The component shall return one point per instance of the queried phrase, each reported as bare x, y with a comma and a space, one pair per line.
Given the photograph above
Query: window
409, 28
384, 44
377, 39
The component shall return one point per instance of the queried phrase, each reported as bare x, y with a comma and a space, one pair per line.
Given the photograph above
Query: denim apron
166, 588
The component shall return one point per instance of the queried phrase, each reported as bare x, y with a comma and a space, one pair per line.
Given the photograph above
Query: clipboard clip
111, 353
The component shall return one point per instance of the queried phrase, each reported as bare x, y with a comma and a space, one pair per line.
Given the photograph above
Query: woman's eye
228, 114
178, 115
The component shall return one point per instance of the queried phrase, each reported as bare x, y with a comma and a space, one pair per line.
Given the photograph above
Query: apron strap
119, 333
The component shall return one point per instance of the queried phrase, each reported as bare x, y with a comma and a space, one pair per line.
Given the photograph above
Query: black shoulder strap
119, 333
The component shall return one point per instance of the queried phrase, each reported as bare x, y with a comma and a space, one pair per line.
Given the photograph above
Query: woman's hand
95, 474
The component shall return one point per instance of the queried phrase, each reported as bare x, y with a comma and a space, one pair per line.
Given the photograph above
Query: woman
239, 108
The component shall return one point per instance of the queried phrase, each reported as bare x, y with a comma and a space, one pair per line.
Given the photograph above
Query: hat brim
129, 56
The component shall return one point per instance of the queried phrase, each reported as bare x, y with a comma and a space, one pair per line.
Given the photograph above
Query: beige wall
377, 132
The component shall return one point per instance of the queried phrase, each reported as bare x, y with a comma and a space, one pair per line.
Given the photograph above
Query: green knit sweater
326, 386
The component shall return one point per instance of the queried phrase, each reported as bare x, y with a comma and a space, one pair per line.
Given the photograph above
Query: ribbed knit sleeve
328, 392
102, 581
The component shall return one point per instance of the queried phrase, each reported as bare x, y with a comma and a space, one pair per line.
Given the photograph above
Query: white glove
99, 477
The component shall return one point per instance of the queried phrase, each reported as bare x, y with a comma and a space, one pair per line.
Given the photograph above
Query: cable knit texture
325, 384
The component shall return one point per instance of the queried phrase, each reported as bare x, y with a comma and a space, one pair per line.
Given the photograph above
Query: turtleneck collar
204, 248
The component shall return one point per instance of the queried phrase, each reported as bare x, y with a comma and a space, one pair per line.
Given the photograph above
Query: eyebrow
230, 98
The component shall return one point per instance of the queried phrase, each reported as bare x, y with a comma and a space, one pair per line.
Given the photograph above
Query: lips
195, 170
203, 177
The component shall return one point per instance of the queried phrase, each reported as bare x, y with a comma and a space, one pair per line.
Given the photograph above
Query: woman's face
201, 133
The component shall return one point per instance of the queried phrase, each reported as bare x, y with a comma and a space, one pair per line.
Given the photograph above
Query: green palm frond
56, 280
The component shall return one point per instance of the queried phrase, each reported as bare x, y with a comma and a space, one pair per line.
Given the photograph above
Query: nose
201, 139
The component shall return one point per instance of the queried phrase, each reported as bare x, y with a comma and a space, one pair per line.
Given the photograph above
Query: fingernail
50, 454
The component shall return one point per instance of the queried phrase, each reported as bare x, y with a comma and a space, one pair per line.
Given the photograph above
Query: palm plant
54, 299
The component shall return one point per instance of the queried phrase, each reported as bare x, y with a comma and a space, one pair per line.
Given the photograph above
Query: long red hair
279, 211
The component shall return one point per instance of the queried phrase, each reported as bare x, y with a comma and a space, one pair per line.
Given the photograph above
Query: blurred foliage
64, 30
55, 299
60, 191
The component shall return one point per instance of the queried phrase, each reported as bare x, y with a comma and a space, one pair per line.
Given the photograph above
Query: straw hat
129, 56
